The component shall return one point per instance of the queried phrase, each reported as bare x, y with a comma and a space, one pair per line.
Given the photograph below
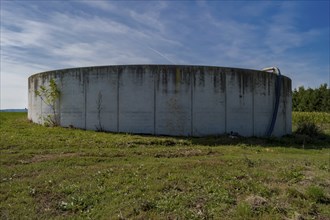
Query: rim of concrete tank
153, 65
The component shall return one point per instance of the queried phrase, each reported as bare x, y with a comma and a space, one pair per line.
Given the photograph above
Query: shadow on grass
299, 141
295, 140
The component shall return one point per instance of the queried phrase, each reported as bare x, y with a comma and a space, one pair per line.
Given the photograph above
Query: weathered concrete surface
209, 99
165, 100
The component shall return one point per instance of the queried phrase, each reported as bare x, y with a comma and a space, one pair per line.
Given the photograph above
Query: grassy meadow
65, 173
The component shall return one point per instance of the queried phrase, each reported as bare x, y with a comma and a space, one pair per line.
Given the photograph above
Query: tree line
311, 100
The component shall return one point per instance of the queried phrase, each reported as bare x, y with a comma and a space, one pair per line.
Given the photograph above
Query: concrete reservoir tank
176, 100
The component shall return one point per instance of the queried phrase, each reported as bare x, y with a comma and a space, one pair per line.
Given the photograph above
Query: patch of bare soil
47, 203
256, 202
184, 153
47, 157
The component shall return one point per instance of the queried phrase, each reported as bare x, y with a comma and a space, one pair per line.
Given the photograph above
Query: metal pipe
277, 71
274, 69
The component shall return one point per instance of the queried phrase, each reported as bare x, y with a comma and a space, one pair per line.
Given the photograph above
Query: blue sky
40, 35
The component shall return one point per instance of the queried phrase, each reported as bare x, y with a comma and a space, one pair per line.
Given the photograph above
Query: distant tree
309, 100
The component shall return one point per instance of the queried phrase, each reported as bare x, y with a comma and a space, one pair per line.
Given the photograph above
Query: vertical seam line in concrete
284, 108
118, 77
41, 114
155, 75
85, 96
59, 106
225, 102
191, 104
290, 109
253, 87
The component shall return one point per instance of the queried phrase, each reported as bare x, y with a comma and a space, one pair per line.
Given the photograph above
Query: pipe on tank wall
277, 71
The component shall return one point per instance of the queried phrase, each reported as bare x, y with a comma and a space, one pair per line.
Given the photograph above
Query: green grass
317, 117
61, 173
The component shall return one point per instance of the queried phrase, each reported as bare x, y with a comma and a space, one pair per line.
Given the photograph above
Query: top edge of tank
148, 65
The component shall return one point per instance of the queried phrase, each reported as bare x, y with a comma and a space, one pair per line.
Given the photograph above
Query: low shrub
308, 128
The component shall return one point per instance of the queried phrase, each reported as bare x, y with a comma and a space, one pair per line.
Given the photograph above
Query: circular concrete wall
165, 100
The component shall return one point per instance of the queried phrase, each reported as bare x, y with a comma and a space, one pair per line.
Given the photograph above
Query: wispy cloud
162, 55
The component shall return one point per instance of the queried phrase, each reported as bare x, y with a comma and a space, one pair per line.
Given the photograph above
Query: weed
78, 203
147, 205
50, 96
308, 128
244, 211
257, 203
295, 193
293, 175
317, 194
249, 162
